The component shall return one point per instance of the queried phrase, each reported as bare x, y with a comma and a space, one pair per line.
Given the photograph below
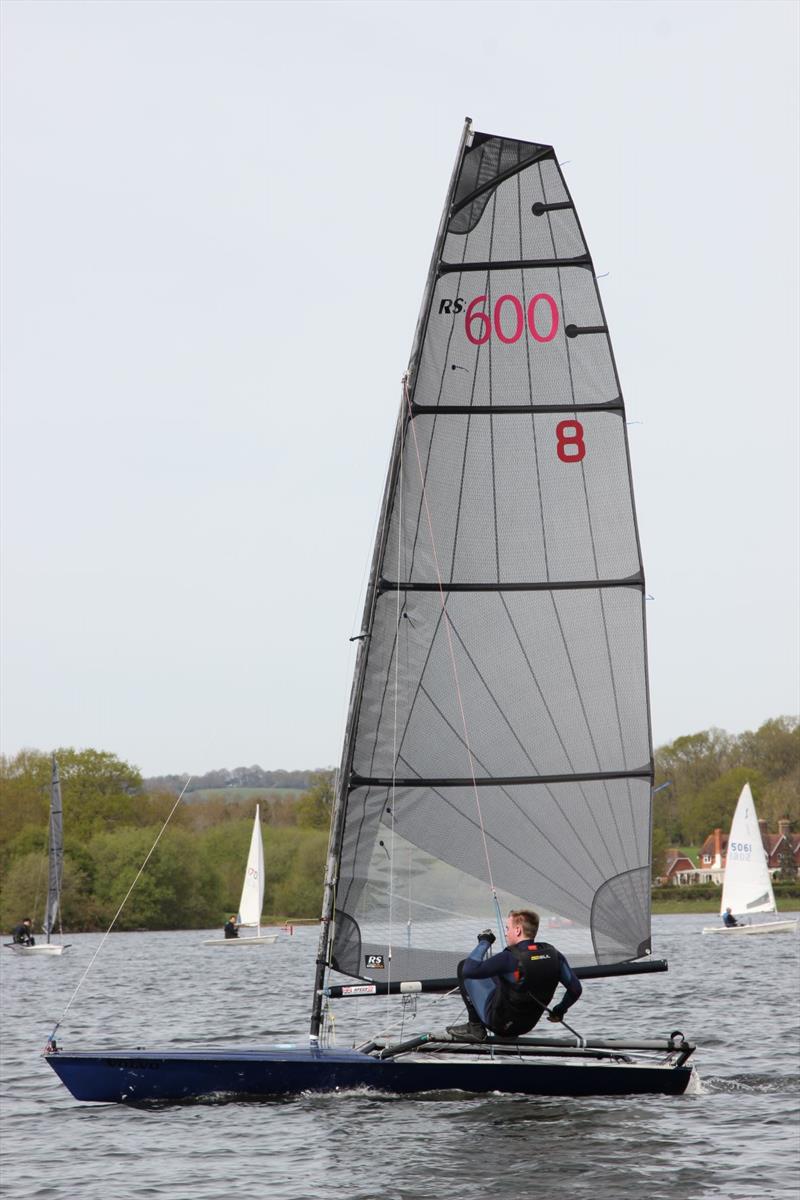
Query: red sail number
569, 436
480, 325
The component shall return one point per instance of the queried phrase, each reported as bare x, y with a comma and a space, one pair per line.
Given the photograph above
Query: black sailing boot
473, 1031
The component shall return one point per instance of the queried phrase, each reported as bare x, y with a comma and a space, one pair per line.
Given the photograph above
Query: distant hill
232, 795
240, 777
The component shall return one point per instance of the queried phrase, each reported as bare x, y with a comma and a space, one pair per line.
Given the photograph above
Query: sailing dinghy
252, 898
55, 873
746, 884
497, 751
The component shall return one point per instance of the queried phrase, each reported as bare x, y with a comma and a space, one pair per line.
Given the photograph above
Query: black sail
55, 855
498, 739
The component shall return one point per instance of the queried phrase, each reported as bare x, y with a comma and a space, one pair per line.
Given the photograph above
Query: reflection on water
735, 1139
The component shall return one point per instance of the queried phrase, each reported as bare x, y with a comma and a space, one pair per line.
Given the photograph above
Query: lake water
738, 1138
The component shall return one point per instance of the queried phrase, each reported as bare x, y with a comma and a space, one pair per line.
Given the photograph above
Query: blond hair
527, 920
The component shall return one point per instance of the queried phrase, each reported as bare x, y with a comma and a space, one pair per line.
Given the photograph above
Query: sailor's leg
475, 992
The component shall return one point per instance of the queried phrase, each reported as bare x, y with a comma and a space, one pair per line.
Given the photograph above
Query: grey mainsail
498, 748
55, 856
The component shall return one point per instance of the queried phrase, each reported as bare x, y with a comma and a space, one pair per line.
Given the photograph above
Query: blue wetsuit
486, 982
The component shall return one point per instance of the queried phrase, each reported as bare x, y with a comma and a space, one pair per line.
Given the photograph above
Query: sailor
729, 920
508, 992
21, 934
231, 929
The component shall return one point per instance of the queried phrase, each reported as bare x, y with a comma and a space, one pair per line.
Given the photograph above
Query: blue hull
134, 1076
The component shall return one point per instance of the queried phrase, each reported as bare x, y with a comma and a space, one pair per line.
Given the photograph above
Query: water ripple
732, 1139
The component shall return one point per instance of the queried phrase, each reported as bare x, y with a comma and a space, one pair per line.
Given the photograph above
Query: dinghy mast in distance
55, 873
497, 752
747, 884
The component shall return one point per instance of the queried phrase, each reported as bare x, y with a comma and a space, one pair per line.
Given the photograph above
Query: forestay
498, 737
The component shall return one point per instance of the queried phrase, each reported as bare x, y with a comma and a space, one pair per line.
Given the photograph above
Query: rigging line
590, 522
119, 910
457, 527
530, 385
492, 454
556, 730
523, 748
436, 414
399, 494
449, 638
591, 530
502, 788
587, 722
513, 851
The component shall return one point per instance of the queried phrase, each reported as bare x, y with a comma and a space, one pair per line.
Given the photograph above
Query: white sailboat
747, 886
55, 863
252, 899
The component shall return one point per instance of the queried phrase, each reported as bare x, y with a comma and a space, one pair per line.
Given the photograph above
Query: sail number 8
570, 445
479, 326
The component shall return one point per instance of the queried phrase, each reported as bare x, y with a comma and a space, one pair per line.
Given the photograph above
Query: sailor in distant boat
508, 992
21, 934
729, 920
231, 929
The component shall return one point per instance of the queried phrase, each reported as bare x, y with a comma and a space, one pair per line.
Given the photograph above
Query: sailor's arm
573, 989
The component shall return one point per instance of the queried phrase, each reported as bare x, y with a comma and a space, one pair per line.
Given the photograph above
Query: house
713, 852
679, 869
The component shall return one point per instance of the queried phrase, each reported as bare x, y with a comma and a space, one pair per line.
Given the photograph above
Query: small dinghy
55, 873
746, 885
252, 898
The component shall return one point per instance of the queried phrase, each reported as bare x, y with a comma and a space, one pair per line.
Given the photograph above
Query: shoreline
661, 908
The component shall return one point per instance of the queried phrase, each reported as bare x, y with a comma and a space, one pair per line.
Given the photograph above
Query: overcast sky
217, 220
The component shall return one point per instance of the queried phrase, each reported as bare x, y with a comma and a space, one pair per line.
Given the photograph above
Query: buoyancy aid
517, 1006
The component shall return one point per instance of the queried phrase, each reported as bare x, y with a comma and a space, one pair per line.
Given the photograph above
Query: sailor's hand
487, 936
556, 1014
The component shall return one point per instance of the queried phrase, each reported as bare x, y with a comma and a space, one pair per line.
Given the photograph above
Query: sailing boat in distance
252, 899
55, 873
747, 886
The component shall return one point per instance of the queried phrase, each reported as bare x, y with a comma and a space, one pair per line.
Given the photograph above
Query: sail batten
498, 737
495, 780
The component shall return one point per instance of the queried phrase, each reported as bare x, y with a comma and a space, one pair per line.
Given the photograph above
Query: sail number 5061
508, 326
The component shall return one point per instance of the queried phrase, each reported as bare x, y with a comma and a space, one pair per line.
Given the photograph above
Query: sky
217, 220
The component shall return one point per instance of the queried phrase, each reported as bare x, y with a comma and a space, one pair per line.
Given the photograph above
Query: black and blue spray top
527, 974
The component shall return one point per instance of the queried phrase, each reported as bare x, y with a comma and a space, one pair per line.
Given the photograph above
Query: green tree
25, 892
774, 748
659, 852
299, 893
713, 806
314, 807
781, 798
178, 889
99, 791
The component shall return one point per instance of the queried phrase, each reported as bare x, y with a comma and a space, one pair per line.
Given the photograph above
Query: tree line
193, 880
239, 777
705, 772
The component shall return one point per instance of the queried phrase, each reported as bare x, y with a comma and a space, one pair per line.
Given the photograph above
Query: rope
394, 719
450, 643
116, 914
